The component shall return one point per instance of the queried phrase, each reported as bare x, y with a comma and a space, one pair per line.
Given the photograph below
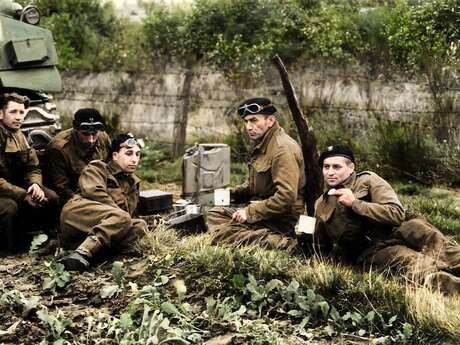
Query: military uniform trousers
421, 253
98, 226
225, 230
17, 216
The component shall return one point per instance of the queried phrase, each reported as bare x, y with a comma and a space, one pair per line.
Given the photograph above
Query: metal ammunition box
153, 201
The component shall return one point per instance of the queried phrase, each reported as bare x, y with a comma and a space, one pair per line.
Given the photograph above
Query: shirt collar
262, 144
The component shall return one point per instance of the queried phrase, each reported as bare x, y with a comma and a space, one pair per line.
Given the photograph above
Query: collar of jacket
115, 169
14, 142
263, 143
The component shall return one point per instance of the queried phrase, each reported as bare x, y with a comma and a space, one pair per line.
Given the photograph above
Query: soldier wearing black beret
362, 221
72, 149
273, 192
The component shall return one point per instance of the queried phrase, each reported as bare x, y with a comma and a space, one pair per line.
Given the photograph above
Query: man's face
336, 170
127, 158
88, 139
12, 115
257, 125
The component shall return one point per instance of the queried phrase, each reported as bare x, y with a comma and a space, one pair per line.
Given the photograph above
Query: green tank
28, 63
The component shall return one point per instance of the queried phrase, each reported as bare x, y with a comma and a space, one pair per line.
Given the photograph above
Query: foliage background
237, 35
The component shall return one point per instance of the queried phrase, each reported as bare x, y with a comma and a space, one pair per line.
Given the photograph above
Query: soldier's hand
30, 200
344, 196
38, 195
240, 215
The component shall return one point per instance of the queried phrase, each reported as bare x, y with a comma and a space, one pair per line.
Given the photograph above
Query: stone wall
150, 104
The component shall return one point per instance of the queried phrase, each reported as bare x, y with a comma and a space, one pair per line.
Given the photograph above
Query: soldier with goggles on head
71, 150
273, 193
100, 216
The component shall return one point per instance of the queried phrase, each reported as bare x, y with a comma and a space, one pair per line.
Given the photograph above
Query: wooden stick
313, 186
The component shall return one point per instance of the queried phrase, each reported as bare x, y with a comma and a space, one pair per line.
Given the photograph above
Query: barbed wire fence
224, 107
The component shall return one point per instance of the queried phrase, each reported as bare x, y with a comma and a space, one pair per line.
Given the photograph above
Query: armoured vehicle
28, 62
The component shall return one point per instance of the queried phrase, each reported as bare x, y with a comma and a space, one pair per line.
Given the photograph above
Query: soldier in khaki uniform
361, 221
273, 191
100, 215
24, 201
71, 150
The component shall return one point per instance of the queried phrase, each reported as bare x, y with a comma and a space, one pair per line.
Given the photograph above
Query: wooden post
313, 187
181, 118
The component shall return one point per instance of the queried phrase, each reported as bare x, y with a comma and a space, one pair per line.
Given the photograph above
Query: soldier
100, 215
361, 221
71, 150
273, 191
21, 189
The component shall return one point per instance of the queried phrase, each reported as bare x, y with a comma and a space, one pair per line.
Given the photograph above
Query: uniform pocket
263, 181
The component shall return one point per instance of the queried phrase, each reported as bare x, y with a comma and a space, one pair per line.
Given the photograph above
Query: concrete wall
149, 104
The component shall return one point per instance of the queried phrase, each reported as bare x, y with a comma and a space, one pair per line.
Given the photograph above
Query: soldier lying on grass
100, 215
361, 221
273, 191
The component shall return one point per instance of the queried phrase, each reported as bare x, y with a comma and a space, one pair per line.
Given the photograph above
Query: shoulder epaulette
364, 173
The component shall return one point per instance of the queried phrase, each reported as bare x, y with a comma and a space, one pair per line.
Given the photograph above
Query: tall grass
210, 269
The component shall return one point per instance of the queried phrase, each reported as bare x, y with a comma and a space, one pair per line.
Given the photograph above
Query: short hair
5, 98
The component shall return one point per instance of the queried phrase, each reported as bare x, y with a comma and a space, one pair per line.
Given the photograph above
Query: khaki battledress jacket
65, 158
100, 214
375, 231
273, 193
19, 165
19, 169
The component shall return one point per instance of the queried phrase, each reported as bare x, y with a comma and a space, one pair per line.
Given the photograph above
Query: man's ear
271, 120
115, 156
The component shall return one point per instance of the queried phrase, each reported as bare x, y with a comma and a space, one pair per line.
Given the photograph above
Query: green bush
240, 36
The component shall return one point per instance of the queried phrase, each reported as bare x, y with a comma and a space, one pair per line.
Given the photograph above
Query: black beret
254, 106
336, 150
119, 140
88, 117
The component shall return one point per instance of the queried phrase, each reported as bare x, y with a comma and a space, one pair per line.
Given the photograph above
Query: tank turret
28, 65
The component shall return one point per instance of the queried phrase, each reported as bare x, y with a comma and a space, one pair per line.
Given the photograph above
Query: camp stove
205, 168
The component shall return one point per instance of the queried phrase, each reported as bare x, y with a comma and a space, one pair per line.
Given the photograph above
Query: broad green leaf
169, 308
238, 280
125, 321
392, 320
311, 295
48, 283
361, 332
37, 241
324, 307
273, 284
304, 322
334, 314
370, 316
109, 291
407, 330
295, 313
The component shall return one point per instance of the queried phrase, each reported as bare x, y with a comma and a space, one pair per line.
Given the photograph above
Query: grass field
179, 289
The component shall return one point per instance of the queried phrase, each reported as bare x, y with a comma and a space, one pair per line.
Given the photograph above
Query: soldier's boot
443, 282
75, 262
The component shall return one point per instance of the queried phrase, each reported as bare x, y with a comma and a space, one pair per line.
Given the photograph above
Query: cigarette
332, 190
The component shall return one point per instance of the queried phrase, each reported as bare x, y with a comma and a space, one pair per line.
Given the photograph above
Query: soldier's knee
123, 219
9, 207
